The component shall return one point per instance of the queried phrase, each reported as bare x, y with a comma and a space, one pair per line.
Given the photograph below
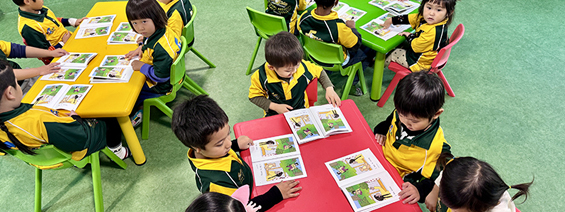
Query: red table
319, 189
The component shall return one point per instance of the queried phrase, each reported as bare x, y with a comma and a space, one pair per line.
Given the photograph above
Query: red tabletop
319, 190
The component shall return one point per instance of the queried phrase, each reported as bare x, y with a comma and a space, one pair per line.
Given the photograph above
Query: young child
40, 28
279, 85
324, 24
13, 50
411, 136
202, 125
25, 127
212, 201
468, 184
161, 46
288, 9
430, 26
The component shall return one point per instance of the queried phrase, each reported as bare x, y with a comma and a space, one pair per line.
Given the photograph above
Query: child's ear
9, 93
271, 67
438, 113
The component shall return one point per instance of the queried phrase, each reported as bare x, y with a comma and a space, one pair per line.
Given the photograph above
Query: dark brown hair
142, 9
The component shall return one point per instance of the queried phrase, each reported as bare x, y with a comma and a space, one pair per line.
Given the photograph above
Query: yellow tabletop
104, 100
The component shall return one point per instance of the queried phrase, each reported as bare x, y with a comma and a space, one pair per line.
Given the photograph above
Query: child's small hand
244, 142
58, 53
139, 40
77, 23
136, 65
280, 108
49, 68
72, 113
405, 34
409, 193
350, 23
332, 97
387, 23
66, 37
135, 53
288, 189
431, 199
381, 139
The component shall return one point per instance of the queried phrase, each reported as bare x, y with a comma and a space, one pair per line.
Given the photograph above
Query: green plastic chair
188, 33
49, 157
178, 72
266, 25
330, 53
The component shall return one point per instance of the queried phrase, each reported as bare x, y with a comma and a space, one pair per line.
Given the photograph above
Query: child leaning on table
25, 127
13, 50
469, 184
430, 26
201, 125
40, 28
411, 136
279, 85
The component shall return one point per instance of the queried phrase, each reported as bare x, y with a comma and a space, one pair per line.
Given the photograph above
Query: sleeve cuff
17, 51
149, 72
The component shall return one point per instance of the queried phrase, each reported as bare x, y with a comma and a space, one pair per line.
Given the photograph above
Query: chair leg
145, 121
114, 158
362, 79
189, 84
192, 49
446, 84
397, 77
348, 84
38, 182
253, 57
164, 108
97, 181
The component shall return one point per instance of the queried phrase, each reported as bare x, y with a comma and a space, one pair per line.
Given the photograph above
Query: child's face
145, 26
434, 13
285, 72
414, 123
37, 5
219, 144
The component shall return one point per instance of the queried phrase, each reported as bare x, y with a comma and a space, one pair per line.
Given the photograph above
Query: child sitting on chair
411, 136
202, 125
288, 9
279, 85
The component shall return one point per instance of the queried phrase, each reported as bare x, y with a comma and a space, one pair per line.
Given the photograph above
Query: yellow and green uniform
266, 83
159, 52
287, 9
425, 42
42, 30
179, 13
330, 29
12, 50
36, 126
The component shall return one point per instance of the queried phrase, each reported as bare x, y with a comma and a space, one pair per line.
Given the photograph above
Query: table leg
377, 76
132, 140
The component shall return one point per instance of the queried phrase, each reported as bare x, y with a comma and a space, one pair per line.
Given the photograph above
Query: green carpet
506, 73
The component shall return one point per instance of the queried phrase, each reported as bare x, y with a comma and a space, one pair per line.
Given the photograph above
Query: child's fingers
293, 190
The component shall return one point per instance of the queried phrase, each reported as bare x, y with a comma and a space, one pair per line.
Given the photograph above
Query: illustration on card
96, 31
280, 170
304, 127
101, 19
331, 120
380, 3
352, 14
108, 72
75, 93
277, 146
368, 192
124, 27
48, 93
376, 28
350, 166
65, 74
123, 37
76, 58
115, 61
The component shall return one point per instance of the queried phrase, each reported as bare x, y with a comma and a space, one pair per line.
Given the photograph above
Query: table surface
319, 190
104, 99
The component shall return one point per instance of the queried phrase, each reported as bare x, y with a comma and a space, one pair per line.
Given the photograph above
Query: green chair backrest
266, 4
178, 70
323, 52
47, 155
266, 25
188, 30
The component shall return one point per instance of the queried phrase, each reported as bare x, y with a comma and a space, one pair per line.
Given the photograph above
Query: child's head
202, 125
471, 185
325, 4
418, 100
435, 11
31, 4
145, 16
284, 53
212, 201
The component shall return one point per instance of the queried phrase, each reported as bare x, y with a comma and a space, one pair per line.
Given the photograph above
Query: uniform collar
37, 17
221, 164
152, 40
272, 76
332, 16
423, 140
5, 116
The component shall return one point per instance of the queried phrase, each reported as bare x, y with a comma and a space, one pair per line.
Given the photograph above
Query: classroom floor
506, 72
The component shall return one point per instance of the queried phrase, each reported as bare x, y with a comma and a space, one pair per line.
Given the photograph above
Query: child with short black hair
202, 125
39, 27
213, 201
411, 136
279, 85
288, 9
25, 127
471, 185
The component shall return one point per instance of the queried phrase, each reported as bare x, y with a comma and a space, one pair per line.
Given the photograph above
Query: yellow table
106, 99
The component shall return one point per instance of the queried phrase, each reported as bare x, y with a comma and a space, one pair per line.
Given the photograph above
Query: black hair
195, 120
420, 94
448, 4
141, 9
325, 3
283, 49
212, 201
20, 2
8, 79
474, 185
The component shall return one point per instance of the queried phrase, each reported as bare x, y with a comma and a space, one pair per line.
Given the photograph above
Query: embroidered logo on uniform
275, 95
50, 30
240, 176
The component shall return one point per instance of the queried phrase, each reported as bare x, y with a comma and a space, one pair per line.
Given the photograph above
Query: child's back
288, 9
179, 13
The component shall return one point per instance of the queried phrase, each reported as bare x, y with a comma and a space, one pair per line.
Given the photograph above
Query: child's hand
58, 53
135, 53
280, 108
387, 23
288, 188
431, 199
405, 34
350, 23
332, 97
77, 23
381, 139
136, 65
49, 68
409, 193
66, 37
72, 113
139, 40
244, 142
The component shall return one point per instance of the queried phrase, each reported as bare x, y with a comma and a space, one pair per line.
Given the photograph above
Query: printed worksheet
93, 31
276, 170
62, 96
69, 74
275, 147
374, 27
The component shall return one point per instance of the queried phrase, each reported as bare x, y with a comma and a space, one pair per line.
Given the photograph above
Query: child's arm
258, 96
409, 193
276, 194
331, 95
22, 74
302, 5
241, 143
160, 71
71, 21
349, 37
431, 199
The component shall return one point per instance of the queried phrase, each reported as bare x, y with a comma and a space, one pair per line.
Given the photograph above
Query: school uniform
179, 13
42, 30
159, 52
288, 9
12, 50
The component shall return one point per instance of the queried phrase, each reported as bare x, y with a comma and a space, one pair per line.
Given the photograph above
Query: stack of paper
113, 69
124, 34
95, 26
